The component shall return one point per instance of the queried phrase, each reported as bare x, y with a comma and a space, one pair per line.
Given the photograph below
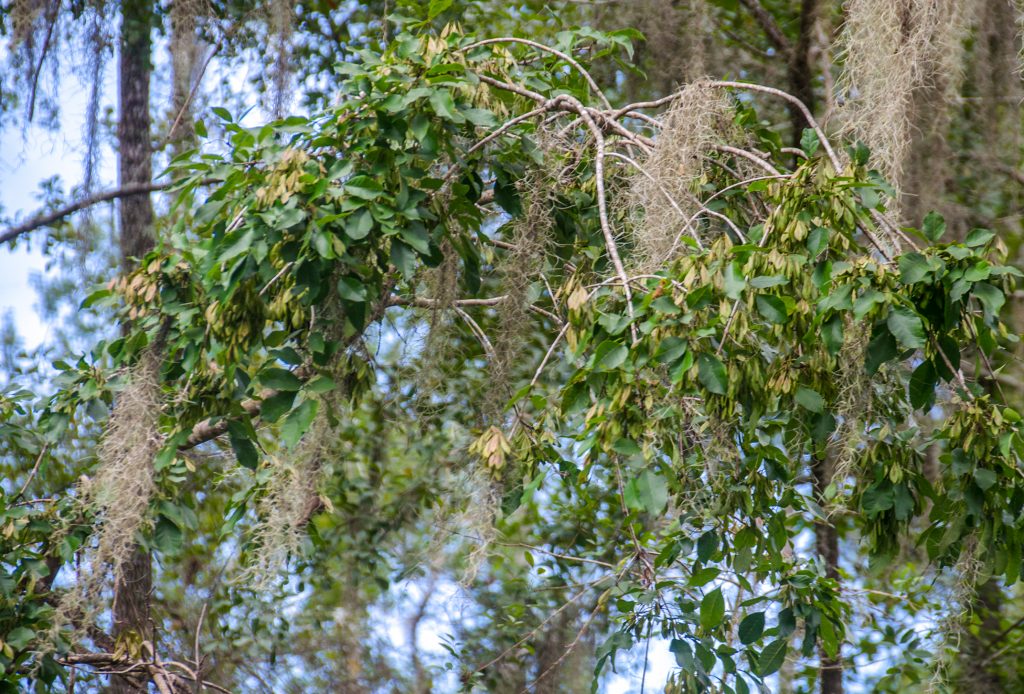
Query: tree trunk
801, 72
827, 544
135, 222
135, 153
978, 656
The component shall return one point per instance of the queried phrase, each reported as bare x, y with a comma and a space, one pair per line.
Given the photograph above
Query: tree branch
771, 28
43, 219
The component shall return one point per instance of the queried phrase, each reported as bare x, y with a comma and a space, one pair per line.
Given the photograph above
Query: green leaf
671, 349
751, 628
838, 298
404, 258
683, 653
809, 399
772, 657
734, 280
437, 7
19, 637
358, 224
877, 498
712, 610
822, 426
298, 422
653, 490
280, 379
829, 638
664, 304
222, 113
240, 245
351, 289
704, 576
707, 544
274, 407
768, 281
321, 384
627, 447
480, 117
991, 298
881, 349
867, 301
934, 227
244, 448
712, 374
817, 241
772, 308
922, 385
167, 537
809, 142
610, 355
416, 236
913, 268
832, 334
906, 327
444, 106
978, 237
985, 478
365, 187
979, 271
681, 368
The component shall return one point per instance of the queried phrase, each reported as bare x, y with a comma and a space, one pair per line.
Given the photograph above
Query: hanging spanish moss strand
890, 51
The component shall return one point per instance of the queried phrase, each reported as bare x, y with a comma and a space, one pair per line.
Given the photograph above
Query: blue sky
28, 157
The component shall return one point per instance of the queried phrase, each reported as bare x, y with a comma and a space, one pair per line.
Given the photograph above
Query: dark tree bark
979, 655
827, 544
135, 228
135, 153
801, 72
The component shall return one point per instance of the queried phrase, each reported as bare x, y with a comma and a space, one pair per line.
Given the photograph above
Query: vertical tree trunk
827, 545
801, 72
184, 49
135, 155
135, 222
982, 641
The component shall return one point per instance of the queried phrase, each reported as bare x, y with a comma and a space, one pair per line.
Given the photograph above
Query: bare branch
43, 219
547, 49
771, 28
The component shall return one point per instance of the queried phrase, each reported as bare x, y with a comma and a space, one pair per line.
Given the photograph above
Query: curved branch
548, 49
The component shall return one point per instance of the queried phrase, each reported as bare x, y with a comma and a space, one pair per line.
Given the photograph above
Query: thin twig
749, 156
800, 105
547, 355
671, 201
32, 473
547, 49
192, 92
